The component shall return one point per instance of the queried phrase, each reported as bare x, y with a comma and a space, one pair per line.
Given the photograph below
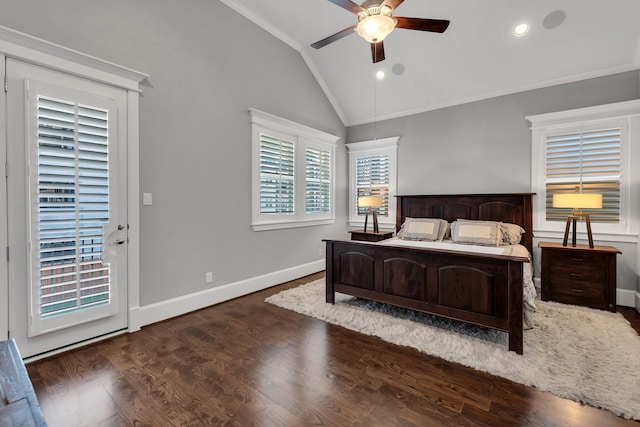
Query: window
72, 206
372, 179
293, 170
372, 171
588, 149
586, 160
318, 181
276, 176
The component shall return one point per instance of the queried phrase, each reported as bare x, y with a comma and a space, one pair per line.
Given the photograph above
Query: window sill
600, 237
263, 226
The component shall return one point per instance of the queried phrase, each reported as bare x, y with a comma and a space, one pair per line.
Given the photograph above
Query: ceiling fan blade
334, 37
433, 25
392, 3
377, 52
348, 4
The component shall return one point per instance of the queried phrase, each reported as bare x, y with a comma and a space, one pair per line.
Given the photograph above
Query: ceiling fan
375, 23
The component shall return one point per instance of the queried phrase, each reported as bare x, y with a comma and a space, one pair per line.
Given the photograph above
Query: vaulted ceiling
477, 57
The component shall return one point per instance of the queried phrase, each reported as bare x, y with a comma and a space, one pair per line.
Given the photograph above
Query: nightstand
370, 236
579, 275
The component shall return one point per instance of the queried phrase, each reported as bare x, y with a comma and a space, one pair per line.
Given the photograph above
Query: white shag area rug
590, 356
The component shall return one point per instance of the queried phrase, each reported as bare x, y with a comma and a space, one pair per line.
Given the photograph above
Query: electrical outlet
208, 277
320, 251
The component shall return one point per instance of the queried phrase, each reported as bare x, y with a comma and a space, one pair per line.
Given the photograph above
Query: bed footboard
485, 290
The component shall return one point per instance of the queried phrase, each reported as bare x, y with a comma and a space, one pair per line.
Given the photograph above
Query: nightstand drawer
583, 290
578, 259
582, 274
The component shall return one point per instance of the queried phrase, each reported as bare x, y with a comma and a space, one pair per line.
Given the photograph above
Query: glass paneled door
66, 208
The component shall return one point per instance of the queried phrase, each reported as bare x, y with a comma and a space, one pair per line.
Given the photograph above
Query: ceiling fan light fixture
375, 28
375, 23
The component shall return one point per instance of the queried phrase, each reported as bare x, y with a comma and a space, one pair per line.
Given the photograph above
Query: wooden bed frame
482, 289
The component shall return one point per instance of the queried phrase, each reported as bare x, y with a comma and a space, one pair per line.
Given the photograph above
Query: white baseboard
627, 298
41, 356
152, 313
637, 302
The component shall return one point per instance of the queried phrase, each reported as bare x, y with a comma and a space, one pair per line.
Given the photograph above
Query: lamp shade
577, 200
375, 28
370, 201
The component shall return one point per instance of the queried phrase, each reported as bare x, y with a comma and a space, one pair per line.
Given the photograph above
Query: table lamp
577, 201
373, 203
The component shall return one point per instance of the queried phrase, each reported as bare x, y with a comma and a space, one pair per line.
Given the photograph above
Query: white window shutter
73, 205
373, 179
590, 160
318, 181
277, 193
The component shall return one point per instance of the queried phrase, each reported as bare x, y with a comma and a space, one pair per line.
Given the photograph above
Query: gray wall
208, 66
485, 146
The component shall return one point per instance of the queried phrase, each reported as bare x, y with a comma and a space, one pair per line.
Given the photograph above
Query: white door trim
24, 47
17, 45
4, 276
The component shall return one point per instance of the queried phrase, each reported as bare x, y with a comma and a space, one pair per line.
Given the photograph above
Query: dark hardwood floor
249, 363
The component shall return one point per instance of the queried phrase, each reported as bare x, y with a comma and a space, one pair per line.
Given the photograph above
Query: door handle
120, 241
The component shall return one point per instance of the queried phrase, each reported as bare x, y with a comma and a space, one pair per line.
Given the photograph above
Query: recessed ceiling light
521, 30
380, 75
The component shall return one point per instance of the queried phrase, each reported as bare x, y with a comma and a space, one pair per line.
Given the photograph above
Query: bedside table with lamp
372, 203
579, 274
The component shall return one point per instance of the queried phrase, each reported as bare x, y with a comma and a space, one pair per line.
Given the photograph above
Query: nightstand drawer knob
576, 274
577, 259
577, 290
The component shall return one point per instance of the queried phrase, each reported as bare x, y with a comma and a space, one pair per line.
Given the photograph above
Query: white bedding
528, 288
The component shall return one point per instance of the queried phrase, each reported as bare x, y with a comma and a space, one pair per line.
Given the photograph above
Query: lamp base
571, 219
375, 221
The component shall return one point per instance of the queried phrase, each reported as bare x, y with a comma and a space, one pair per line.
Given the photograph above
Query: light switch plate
147, 199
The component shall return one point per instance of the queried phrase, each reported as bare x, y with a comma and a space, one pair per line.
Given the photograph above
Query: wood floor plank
440, 383
249, 363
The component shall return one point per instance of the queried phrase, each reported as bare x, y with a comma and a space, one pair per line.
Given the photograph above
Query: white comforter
528, 289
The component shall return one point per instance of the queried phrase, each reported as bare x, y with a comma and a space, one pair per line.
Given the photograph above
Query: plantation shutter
277, 195
373, 179
590, 160
318, 181
73, 205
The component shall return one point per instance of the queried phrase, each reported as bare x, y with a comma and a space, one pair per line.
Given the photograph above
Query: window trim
366, 148
302, 137
625, 115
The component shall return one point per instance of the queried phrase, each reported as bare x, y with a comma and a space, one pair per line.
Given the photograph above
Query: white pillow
511, 233
476, 232
423, 229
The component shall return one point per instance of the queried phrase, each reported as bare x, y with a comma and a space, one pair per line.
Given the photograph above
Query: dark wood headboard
515, 208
